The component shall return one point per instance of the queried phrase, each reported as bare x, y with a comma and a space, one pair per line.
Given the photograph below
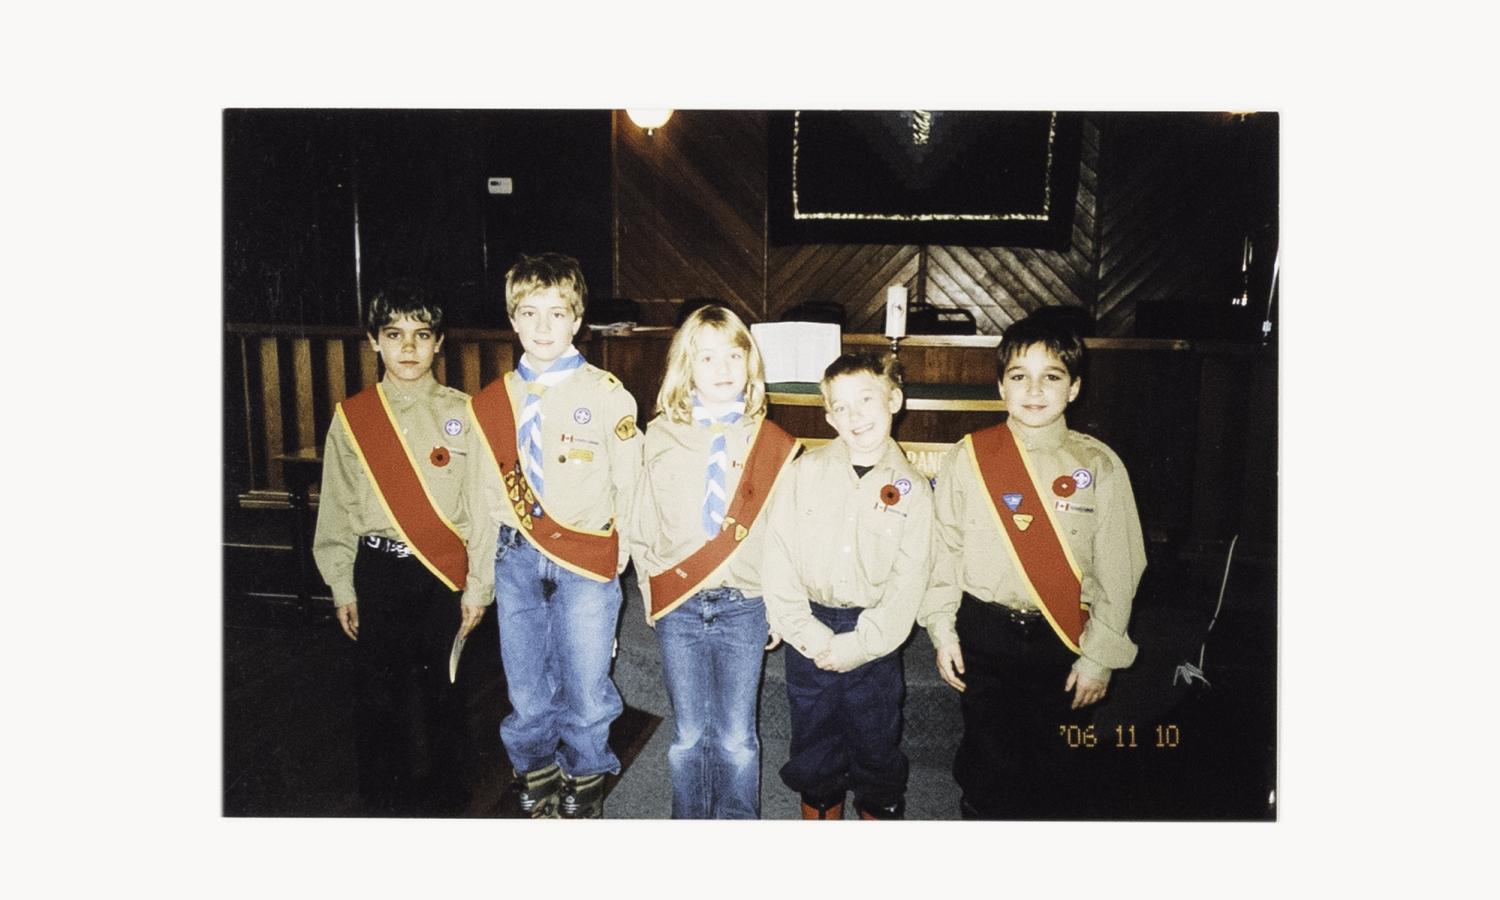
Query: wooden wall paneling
973, 287
884, 267
1010, 298
690, 209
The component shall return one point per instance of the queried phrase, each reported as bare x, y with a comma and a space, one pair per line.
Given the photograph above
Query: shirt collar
890, 457
569, 361
405, 392
1048, 437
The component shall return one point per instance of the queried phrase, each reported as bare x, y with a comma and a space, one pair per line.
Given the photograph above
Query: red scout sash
592, 554
399, 486
1047, 567
770, 451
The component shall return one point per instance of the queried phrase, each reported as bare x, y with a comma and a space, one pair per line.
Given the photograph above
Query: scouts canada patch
452, 427
438, 457
1064, 486
625, 428
890, 496
1012, 501
582, 416
904, 486
1082, 478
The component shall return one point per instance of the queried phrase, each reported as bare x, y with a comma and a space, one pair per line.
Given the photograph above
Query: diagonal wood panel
1154, 219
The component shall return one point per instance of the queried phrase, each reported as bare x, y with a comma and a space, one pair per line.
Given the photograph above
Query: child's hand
1089, 691
950, 665
472, 615
773, 641
348, 616
825, 662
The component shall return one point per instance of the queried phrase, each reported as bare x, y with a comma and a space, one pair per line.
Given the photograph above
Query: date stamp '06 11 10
1086, 738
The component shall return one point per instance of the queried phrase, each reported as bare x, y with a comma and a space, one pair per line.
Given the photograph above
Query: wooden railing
1196, 423
292, 377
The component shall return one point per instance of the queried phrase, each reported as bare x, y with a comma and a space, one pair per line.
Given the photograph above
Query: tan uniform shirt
832, 540
1099, 522
591, 455
669, 507
428, 415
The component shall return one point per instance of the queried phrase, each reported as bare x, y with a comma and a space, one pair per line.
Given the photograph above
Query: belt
1021, 621
386, 545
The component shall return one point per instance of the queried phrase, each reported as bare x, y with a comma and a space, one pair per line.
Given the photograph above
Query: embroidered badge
1064, 486
1082, 478
1023, 522
625, 428
1066, 506
904, 486
582, 416
581, 455
740, 532
890, 496
452, 427
438, 456
522, 499
1013, 501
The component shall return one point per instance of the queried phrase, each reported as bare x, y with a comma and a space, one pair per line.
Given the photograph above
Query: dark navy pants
410, 721
846, 726
1015, 760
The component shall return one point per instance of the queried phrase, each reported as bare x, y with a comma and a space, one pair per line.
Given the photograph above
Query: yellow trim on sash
495, 461
989, 499
395, 523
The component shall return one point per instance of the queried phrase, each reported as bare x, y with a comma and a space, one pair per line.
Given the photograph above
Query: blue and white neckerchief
716, 418
529, 430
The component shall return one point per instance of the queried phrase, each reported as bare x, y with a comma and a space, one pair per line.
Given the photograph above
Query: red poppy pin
1064, 486
889, 495
438, 457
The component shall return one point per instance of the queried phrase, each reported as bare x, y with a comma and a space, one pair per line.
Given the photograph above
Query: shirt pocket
878, 544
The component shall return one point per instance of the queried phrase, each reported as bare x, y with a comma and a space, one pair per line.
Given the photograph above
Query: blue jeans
712, 650
557, 632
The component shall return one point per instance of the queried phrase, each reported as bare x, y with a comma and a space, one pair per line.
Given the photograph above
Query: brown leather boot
829, 808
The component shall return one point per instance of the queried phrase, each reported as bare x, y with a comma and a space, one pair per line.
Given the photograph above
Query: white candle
895, 311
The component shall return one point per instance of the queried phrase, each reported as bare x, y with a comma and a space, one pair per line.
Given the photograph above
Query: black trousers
846, 726
410, 722
1016, 759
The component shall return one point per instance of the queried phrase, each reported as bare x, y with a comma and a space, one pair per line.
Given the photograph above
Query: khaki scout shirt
1099, 523
832, 540
669, 506
591, 460
429, 415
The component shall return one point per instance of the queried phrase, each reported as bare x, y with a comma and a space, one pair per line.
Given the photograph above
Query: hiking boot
538, 792
582, 798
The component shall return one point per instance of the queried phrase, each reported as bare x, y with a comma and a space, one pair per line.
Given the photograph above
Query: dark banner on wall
977, 179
